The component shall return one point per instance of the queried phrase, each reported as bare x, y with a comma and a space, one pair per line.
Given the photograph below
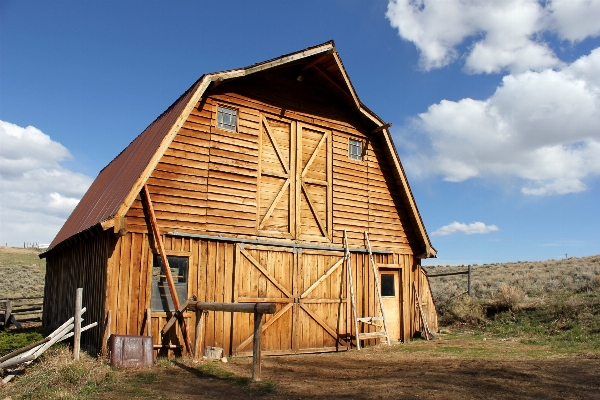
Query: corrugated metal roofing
113, 184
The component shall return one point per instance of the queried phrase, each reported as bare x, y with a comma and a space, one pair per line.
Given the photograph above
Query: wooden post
7, 313
198, 337
77, 330
256, 347
469, 281
148, 322
106, 335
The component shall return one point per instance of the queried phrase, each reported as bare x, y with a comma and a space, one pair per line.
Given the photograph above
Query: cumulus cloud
492, 36
38, 194
542, 127
475, 228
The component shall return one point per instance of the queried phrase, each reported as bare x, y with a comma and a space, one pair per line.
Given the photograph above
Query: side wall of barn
81, 264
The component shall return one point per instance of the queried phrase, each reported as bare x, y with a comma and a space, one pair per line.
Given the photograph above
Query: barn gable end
258, 213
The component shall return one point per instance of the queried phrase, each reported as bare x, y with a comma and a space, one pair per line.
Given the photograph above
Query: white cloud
475, 228
495, 35
38, 194
542, 127
574, 20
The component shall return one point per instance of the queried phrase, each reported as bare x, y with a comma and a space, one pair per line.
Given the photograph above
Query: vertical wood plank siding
81, 265
219, 272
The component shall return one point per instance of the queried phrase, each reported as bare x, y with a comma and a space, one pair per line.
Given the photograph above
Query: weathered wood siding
79, 265
306, 320
220, 182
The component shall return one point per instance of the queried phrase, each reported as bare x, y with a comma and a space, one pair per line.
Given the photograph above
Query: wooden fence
17, 310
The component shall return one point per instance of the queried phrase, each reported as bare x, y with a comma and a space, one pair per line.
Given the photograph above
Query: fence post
256, 347
77, 330
7, 313
469, 281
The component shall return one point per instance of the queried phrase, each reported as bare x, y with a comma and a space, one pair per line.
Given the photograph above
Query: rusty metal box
131, 351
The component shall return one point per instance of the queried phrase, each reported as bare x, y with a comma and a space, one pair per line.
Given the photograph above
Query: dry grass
57, 376
554, 303
535, 279
22, 272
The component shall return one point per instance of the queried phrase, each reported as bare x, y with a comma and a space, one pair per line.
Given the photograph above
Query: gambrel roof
116, 187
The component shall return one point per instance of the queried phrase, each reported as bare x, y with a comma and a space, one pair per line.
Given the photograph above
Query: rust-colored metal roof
113, 184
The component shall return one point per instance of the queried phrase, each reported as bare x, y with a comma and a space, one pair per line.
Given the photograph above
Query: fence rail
15, 310
467, 272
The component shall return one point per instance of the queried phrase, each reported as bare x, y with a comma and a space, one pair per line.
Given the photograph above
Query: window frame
235, 110
393, 284
351, 146
178, 285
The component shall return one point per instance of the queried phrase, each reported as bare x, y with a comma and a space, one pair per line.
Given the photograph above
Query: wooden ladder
425, 331
375, 320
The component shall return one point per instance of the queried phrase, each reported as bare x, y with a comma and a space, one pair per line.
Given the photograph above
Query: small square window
355, 149
388, 285
227, 119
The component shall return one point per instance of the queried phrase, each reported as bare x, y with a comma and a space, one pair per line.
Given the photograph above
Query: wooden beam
263, 308
331, 79
316, 60
165, 263
381, 127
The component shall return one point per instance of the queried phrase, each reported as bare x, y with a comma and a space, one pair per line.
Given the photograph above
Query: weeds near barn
57, 376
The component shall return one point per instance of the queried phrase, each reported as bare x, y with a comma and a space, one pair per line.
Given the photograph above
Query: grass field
22, 272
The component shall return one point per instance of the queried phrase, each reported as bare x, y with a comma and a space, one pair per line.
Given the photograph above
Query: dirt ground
384, 373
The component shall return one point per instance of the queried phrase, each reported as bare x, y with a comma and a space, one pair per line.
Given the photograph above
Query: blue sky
495, 106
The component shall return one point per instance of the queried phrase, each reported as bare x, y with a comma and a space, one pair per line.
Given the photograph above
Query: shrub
463, 309
508, 298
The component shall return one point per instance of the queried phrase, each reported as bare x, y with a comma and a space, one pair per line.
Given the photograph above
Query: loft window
227, 118
388, 286
355, 150
161, 296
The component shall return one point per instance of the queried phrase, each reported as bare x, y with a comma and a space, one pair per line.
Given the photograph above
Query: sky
495, 105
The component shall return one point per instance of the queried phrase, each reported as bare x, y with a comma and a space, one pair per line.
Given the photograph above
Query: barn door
313, 183
321, 316
276, 177
265, 276
309, 292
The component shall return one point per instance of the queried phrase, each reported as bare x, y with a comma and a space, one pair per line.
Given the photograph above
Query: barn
262, 182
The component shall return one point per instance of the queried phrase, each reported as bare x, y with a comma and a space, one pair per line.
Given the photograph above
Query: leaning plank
165, 263
24, 349
177, 314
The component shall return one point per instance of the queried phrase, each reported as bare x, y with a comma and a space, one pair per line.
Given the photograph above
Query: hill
22, 272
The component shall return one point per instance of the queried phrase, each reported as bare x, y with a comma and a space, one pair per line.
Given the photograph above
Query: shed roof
113, 191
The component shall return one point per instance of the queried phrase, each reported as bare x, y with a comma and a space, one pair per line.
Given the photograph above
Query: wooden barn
253, 176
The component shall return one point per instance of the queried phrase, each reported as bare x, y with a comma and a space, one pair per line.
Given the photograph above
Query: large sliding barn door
321, 303
309, 291
294, 181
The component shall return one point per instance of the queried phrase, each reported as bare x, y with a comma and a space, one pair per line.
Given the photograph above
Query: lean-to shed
254, 174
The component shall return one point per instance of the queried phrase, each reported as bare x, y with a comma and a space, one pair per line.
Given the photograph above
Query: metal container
131, 351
